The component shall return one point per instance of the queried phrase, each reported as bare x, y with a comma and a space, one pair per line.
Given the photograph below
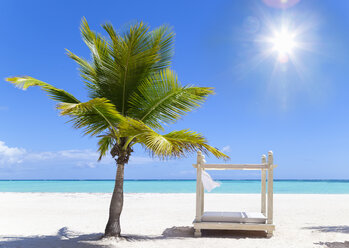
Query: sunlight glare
283, 42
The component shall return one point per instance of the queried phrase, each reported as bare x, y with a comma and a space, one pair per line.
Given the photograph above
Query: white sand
42, 220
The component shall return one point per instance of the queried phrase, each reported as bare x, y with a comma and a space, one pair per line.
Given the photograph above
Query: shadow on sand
182, 232
68, 239
337, 229
331, 229
335, 244
64, 239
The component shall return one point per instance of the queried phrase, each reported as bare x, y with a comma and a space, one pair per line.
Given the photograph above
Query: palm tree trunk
113, 228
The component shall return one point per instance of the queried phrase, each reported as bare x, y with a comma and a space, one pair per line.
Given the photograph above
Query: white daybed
254, 221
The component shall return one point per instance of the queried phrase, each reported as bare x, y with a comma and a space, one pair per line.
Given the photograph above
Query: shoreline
306, 180
170, 193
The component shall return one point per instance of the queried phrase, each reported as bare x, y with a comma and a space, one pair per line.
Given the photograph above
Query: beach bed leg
197, 233
270, 188
263, 188
269, 234
199, 188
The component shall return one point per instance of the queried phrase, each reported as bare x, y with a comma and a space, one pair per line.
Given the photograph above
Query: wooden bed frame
264, 223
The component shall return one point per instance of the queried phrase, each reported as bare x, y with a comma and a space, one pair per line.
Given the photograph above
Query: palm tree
133, 93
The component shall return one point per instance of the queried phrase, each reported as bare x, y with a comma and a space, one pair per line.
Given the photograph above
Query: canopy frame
266, 167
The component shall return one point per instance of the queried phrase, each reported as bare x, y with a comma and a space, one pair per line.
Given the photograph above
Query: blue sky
298, 109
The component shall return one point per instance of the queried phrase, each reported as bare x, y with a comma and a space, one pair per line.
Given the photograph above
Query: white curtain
208, 182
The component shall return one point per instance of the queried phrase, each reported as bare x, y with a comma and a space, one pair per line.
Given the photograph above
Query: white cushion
233, 217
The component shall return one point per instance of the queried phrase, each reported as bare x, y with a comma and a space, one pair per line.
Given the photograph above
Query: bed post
202, 187
270, 191
199, 192
263, 191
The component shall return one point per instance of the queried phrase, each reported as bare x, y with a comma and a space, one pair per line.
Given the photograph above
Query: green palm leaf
94, 116
172, 145
105, 143
162, 99
54, 93
119, 64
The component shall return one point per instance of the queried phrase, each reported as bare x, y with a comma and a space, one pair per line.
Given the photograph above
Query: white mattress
233, 217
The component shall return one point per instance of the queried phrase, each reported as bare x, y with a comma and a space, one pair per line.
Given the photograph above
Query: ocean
175, 186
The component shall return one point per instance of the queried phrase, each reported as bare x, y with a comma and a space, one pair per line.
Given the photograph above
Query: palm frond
123, 61
102, 74
162, 99
95, 42
192, 142
87, 71
94, 116
175, 144
53, 92
136, 56
162, 43
105, 143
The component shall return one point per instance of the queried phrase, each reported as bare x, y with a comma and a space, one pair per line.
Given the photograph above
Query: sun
282, 48
283, 44
285, 40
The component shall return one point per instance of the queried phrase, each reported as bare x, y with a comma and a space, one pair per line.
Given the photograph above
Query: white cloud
10, 155
141, 160
226, 149
81, 158
187, 172
3, 108
39, 156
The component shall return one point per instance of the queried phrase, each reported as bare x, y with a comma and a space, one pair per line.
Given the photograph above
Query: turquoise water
175, 186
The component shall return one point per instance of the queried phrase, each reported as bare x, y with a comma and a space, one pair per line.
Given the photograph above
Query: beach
156, 220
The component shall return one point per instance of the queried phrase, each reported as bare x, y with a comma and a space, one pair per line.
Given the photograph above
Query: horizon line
289, 179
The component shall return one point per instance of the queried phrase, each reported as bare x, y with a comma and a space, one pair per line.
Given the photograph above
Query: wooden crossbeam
232, 166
